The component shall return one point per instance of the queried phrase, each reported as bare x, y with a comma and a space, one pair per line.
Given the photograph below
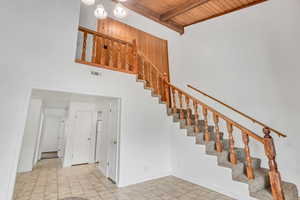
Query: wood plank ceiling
178, 14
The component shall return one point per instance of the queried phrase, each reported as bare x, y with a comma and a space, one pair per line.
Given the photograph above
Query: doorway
65, 129
108, 140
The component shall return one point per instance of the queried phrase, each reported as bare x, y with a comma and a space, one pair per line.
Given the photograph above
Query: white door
82, 145
113, 142
61, 139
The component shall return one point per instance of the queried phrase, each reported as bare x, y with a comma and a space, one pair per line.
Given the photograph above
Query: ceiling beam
182, 9
146, 12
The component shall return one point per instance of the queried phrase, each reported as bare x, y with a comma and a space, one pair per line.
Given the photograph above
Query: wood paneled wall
154, 48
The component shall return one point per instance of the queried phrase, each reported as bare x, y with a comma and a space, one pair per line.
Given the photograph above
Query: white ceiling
61, 100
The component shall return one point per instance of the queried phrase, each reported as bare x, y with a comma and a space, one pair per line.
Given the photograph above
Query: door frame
117, 103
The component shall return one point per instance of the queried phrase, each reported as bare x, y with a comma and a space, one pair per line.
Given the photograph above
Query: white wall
51, 133
26, 160
250, 60
37, 51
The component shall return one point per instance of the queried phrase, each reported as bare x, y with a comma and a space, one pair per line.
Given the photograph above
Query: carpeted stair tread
289, 189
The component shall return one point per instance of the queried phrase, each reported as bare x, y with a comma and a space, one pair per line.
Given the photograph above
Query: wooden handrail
83, 29
239, 112
237, 125
149, 61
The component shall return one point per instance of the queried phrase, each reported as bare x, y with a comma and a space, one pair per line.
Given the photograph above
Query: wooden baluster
162, 88
206, 127
157, 78
135, 57
249, 167
174, 108
181, 106
119, 49
140, 67
83, 53
147, 66
153, 80
147, 73
115, 55
232, 154
153, 75
275, 177
143, 73
158, 85
100, 57
130, 59
197, 124
219, 144
105, 52
123, 55
110, 53
126, 57
94, 49
150, 76
188, 110
167, 90
167, 94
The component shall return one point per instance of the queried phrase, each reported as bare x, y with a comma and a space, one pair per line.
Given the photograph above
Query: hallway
48, 181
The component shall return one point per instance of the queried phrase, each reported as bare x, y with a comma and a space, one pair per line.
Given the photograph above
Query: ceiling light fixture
120, 11
88, 2
100, 12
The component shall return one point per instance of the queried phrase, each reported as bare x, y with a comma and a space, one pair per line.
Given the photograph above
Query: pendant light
120, 11
100, 12
88, 2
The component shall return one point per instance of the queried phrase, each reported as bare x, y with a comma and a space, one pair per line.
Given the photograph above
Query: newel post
135, 57
275, 178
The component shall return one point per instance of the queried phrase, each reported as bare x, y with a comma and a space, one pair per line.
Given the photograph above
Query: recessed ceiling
178, 14
61, 100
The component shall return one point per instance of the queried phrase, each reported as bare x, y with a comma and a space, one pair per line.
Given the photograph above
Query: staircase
200, 120
259, 185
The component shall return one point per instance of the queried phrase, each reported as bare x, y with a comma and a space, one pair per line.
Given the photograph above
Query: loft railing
178, 100
237, 111
110, 53
103, 51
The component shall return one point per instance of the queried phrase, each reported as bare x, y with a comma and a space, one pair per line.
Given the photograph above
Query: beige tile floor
48, 181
